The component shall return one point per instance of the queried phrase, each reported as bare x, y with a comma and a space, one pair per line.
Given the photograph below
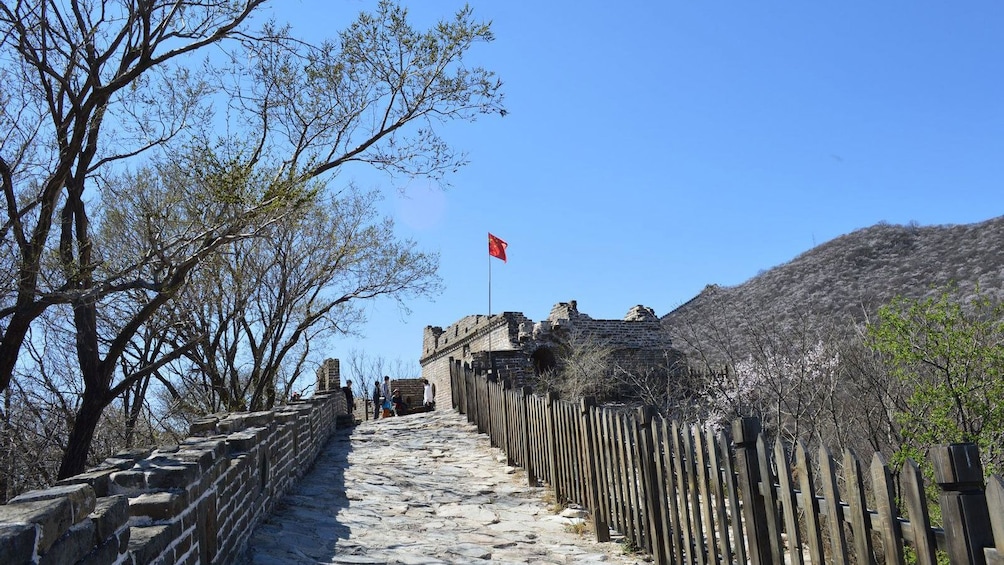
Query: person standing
386, 393
376, 399
349, 400
428, 396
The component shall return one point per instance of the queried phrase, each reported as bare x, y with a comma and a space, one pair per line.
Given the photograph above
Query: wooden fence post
531, 473
959, 473
589, 455
650, 483
744, 435
552, 458
506, 423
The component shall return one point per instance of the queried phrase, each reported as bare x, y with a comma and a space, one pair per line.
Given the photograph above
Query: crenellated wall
460, 340
196, 502
521, 347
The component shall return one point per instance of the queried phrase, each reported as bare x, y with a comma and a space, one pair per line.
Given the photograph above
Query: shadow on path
421, 489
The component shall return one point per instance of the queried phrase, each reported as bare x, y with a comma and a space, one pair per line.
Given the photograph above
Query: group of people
391, 402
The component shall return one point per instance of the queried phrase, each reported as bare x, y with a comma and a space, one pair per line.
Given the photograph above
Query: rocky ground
421, 490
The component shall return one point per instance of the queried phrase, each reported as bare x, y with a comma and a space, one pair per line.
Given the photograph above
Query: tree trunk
79, 446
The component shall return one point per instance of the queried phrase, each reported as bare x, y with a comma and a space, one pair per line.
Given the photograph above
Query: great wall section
196, 502
199, 501
512, 346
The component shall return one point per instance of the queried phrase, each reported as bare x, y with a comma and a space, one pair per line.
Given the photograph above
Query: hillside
842, 281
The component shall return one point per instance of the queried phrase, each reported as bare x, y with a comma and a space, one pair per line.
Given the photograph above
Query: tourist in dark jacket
349, 400
398, 402
376, 399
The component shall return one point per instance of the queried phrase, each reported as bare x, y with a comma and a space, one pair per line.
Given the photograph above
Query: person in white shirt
429, 399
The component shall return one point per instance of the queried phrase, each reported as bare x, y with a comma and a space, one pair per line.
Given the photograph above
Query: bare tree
94, 85
584, 367
807, 379
257, 311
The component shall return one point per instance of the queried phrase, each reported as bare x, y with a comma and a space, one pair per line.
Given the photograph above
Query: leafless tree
257, 312
96, 87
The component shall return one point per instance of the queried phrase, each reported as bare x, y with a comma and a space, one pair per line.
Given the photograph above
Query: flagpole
490, 314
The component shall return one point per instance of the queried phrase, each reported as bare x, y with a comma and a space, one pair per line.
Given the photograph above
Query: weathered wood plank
696, 528
552, 454
810, 504
717, 497
616, 502
672, 492
732, 498
915, 501
680, 464
995, 505
704, 490
835, 510
745, 433
885, 504
789, 504
659, 487
770, 498
858, 508
631, 433
590, 476
599, 447
616, 478
959, 473
649, 482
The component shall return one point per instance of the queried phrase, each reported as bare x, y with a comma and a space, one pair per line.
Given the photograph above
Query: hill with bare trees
836, 286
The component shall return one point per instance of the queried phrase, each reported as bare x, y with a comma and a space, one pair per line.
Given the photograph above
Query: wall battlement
196, 502
521, 347
436, 340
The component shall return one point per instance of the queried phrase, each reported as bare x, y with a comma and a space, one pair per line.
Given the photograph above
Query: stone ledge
52, 517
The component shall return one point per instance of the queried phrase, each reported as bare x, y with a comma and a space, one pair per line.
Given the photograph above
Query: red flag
496, 247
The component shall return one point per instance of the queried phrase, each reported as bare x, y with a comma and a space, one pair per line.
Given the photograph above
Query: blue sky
653, 148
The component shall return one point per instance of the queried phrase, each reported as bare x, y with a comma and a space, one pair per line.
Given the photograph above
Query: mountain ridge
843, 282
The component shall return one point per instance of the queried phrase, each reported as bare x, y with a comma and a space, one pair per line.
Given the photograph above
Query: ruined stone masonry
329, 376
521, 347
196, 502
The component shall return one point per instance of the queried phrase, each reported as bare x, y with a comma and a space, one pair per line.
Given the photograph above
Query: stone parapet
196, 502
514, 347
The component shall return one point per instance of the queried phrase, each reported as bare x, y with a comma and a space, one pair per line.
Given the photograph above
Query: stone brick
171, 475
97, 478
260, 419
148, 543
158, 505
204, 453
240, 442
72, 546
129, 482
17, 543
183, 545
204, 426
104, 554
286, 417
126, 459
110, 514
54, 517
81, 497
233, 423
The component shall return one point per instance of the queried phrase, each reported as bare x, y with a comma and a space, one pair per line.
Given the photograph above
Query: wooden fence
688, 495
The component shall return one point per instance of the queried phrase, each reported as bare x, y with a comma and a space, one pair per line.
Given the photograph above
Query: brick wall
461, 340
196, 502
638, 342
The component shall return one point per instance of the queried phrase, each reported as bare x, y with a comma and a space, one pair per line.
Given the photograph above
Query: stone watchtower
329, 376
520, 347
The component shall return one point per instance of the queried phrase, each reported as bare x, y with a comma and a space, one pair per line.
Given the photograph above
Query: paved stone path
420, 490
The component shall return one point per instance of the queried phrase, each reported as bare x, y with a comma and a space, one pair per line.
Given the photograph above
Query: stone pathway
420, 490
